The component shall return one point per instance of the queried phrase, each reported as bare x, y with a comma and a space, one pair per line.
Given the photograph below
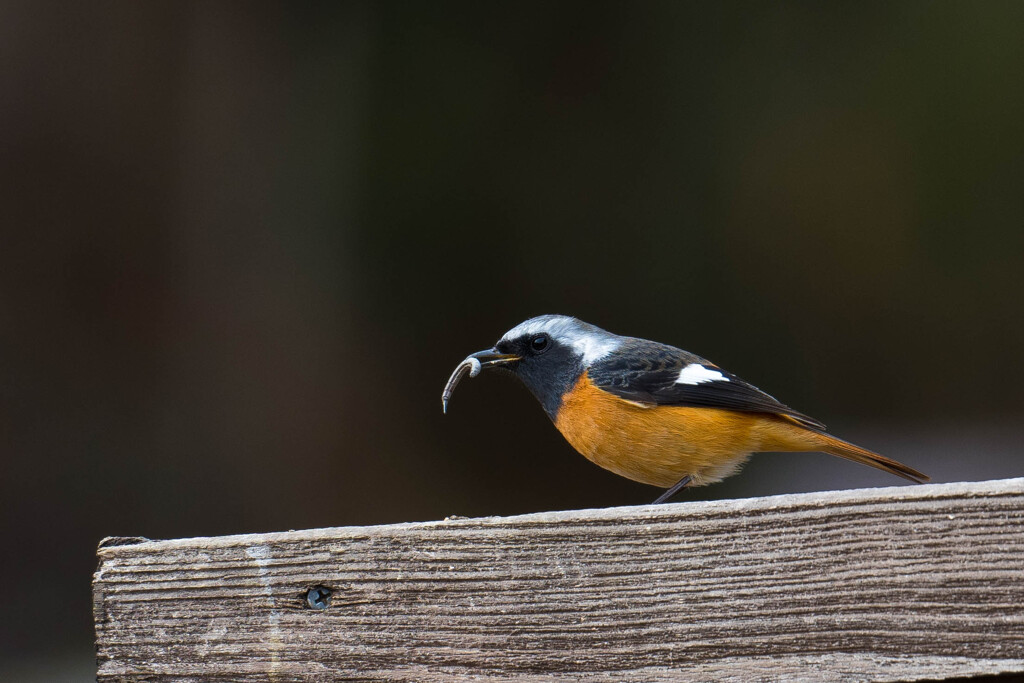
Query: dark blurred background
244, 244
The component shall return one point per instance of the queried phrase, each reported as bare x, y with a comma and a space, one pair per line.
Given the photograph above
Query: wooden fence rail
905, 583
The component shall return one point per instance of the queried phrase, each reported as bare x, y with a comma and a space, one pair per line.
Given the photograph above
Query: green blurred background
245, 243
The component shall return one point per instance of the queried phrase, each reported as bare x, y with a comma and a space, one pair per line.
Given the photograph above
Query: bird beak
473, 364
491, 357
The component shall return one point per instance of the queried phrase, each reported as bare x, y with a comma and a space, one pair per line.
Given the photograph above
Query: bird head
548, 353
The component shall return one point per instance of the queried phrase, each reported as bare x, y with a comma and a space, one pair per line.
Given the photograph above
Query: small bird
651, 412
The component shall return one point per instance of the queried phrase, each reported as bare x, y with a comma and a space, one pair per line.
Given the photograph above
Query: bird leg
676, 488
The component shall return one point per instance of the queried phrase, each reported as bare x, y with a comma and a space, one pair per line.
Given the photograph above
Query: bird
651, 412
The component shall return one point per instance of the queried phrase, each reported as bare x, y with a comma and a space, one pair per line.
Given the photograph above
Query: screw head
318, 597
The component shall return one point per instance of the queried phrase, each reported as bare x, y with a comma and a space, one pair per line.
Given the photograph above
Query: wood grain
905, 583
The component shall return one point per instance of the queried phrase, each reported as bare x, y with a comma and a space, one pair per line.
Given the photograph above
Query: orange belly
659, 445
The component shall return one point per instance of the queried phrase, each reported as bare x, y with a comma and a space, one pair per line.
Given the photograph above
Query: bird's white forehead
592, 343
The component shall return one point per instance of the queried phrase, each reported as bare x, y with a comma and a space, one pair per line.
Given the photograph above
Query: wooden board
903, 583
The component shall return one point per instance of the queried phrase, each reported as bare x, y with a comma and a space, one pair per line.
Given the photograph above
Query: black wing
647, 372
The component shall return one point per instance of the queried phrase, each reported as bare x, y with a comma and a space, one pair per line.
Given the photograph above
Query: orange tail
833, 446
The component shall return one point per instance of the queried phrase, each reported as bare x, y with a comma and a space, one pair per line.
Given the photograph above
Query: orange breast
659, 445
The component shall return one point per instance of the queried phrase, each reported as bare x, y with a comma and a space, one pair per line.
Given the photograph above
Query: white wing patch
698, 374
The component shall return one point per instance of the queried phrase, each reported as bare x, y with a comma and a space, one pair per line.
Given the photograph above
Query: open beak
473, 364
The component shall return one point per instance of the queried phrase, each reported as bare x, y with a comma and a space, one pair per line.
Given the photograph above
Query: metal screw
318, 597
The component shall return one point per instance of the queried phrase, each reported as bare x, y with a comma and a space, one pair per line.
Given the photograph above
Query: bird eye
539, 343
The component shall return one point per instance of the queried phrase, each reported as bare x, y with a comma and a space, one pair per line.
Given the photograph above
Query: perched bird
651, 412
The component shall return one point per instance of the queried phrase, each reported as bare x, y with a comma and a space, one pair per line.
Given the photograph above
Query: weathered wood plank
902, 583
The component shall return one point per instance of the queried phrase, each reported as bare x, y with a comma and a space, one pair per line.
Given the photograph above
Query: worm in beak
473, 364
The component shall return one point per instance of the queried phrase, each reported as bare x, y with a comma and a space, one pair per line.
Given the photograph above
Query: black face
547, 367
